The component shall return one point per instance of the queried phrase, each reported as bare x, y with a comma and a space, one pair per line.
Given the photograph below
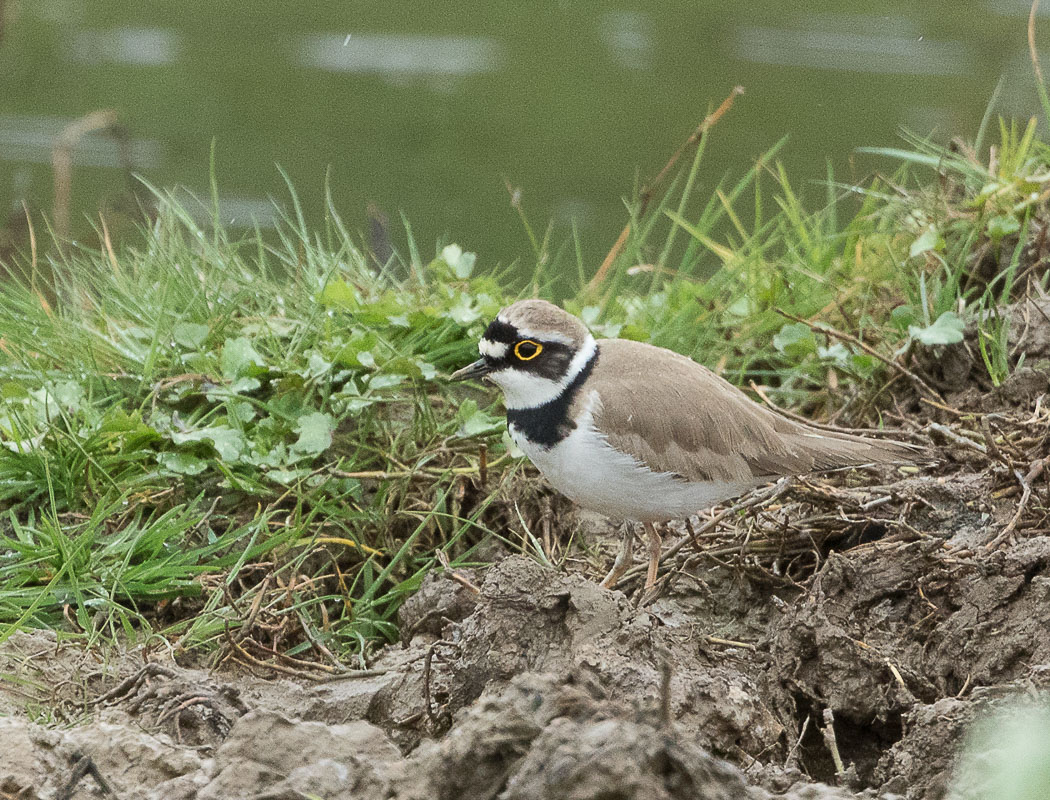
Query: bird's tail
830, 450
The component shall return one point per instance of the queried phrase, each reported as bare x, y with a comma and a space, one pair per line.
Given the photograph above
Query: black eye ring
526, 349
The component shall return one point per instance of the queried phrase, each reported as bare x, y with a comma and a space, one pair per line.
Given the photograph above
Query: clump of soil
549, 718
827, 638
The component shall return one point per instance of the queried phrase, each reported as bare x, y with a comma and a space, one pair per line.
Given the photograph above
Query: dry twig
458, 577
827, 330
647, 192
1034, 471
831, 742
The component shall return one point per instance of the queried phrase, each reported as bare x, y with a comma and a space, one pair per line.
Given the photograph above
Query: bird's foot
624, 558
654, 556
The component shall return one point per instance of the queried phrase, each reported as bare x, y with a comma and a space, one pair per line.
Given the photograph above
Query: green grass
250, 442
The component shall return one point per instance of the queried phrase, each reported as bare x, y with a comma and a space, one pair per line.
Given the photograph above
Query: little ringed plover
641, 433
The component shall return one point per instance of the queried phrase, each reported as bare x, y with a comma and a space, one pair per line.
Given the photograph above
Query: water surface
428, 108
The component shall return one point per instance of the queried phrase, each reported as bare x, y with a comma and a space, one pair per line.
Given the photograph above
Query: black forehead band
499, 331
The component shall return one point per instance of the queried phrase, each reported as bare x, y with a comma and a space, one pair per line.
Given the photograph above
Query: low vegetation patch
247, 445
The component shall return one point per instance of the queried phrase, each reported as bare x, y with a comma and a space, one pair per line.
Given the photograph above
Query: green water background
427, 108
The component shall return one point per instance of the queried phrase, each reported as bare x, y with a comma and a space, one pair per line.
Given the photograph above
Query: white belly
586, 469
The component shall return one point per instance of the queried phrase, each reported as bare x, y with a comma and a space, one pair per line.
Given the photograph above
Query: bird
641, 433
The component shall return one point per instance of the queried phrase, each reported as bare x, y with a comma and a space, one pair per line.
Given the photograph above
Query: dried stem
819, 327
649, 189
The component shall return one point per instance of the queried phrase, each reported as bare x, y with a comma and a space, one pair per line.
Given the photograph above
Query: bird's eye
526, 349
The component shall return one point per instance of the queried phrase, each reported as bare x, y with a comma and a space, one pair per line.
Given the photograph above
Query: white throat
523, 390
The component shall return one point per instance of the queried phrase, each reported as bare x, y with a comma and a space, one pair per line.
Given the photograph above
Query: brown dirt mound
550, 687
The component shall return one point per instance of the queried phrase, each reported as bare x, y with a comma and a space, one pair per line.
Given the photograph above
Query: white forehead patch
491, 349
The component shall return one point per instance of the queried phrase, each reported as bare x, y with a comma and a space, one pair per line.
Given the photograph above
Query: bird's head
532, 351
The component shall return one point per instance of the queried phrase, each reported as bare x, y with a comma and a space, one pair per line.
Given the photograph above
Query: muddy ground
831, 638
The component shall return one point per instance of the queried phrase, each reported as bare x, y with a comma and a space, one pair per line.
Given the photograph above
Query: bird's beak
476, 370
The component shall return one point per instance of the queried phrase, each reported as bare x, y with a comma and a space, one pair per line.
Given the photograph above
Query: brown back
677, 416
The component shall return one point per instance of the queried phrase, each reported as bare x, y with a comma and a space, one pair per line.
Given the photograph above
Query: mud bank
549, 687
833, 641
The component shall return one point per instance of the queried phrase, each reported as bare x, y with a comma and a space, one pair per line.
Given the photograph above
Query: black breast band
548, 424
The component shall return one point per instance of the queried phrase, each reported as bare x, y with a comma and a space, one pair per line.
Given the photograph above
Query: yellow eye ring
527, 356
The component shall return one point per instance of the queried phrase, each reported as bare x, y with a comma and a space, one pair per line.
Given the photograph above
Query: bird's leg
654, 555
623, 559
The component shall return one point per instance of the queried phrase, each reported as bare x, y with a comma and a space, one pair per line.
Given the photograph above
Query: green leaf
795, 340
244, 385
239, 358
338, 294
228, 443
426, 369
190, 334
903, 316
285, 477
512, 447
412, 366
380, 382
69, 393
275, 457
863, 364
271, 326
743, 306
464, 312
358, 351
474, 422
354, 404
928, 240
182, 463
125, 430
1001, 226
634, 332
317, 365
837, 353
241, 411
946, 329
453, 259
315, 434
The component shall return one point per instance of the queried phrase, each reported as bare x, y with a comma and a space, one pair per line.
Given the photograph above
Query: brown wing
677, 416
